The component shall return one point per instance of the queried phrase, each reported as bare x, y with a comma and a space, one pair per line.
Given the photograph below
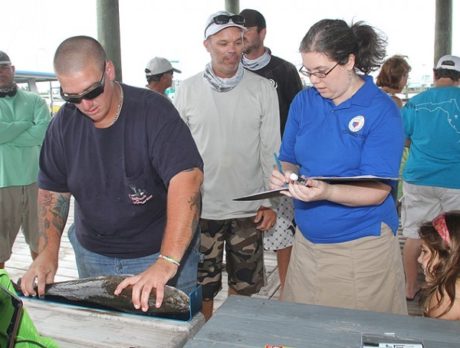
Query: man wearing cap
431, 180
285, 77
234, 118
159, 73
132, 166
24, 117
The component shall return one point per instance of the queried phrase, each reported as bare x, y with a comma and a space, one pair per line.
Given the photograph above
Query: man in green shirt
24, 117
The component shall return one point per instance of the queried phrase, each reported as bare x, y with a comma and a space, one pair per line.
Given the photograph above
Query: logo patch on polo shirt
356, 123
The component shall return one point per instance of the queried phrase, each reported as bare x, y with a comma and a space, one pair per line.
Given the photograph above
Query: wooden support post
108, 32
232, 6
443, 29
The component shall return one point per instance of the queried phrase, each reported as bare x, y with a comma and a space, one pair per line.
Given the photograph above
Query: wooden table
73, 327
249, 322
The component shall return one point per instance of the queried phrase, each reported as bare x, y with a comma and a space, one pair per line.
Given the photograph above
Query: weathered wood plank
79, 327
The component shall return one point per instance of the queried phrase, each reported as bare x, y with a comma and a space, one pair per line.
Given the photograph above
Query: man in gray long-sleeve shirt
233, 115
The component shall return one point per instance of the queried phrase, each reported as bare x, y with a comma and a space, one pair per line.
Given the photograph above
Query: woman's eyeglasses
92, 93
318, 74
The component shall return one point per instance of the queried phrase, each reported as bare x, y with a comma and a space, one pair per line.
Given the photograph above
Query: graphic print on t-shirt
139, 195
450, 108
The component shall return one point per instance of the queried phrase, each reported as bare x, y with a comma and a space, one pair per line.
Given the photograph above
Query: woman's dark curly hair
444, 273
336, 39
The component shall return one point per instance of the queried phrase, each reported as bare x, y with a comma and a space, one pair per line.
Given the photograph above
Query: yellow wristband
169, 259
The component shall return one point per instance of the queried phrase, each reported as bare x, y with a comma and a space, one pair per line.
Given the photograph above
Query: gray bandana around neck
9, 91
258, 63
221, 84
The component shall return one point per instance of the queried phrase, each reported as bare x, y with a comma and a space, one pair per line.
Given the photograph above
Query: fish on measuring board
98, 292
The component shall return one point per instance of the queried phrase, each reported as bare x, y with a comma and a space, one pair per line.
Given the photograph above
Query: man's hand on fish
40, 273
153, 278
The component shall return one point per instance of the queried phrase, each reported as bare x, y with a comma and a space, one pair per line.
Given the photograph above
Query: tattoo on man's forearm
195, 205
53, 211
195, 202
60, 211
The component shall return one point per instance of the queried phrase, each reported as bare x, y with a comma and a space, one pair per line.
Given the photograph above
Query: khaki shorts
244, 256
423, 203
18, 208
366, 273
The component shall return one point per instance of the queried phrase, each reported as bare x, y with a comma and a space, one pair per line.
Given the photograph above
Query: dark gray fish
98, 292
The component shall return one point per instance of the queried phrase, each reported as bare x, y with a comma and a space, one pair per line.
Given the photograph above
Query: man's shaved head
75, 53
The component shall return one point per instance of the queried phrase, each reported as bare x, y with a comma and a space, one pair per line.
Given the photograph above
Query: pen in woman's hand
299, 179
278, 164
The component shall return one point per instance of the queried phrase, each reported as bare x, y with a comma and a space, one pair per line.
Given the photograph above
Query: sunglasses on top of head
224, 19
93, 92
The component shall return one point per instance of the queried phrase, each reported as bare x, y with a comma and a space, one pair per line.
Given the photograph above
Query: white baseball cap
221, 20
159, 65
449, 62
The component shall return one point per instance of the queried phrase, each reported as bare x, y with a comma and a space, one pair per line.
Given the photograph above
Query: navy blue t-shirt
119, 175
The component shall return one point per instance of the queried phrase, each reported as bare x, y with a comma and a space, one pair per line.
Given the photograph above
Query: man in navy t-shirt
135, 173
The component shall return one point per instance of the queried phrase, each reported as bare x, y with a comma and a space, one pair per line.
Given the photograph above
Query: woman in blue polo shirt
346, 253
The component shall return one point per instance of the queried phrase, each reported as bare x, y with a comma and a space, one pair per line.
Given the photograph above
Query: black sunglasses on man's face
93, 92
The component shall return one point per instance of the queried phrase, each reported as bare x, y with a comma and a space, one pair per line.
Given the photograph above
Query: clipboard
339, 179
262, 195
330, 179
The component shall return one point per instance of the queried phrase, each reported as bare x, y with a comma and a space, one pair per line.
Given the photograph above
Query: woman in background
392, 79
393, 76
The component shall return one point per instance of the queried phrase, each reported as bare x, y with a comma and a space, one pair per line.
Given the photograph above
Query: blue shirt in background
432, 123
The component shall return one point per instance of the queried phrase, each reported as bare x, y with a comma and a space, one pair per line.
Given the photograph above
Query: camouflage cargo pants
244, 256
